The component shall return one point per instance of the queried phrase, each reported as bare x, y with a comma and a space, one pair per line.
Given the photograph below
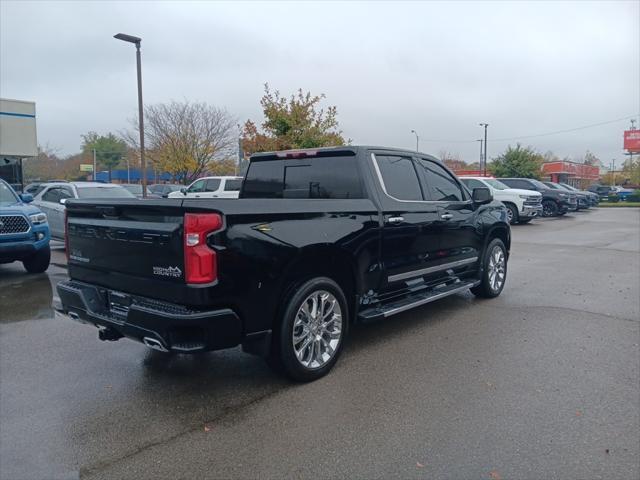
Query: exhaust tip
154, 344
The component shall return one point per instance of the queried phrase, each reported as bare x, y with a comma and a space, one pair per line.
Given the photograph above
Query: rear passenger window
212, 185
442, 186
232, 185
399, 177
316, 177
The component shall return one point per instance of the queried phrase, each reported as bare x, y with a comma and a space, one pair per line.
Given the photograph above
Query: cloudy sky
526, 68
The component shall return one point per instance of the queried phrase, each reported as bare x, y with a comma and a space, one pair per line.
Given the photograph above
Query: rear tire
494, 270
512, 213
312, 330
39, 262
549, 208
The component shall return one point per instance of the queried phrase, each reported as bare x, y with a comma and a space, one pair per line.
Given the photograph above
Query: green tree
517, 162
110, 150
291, 122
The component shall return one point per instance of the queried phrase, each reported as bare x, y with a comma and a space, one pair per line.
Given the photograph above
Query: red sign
632, 140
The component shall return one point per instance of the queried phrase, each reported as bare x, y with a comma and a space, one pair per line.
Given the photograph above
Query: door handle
446, 216
395, 219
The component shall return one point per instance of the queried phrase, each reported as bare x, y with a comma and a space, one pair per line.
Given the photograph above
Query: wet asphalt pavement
542, 382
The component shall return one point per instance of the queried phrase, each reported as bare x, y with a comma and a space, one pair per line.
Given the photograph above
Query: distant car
621, 192
164, 189
594, 199
24, 231
522, 205
211, 187
51, 199
583, 199
136, 189
603, 191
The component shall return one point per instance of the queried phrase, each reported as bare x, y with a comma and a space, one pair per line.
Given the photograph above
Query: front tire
312, 332
549, 208
39, 262
494, 270
512, 213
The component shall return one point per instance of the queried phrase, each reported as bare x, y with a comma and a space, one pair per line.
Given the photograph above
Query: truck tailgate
119, 239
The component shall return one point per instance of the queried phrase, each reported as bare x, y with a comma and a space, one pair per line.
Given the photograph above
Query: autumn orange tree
297, 121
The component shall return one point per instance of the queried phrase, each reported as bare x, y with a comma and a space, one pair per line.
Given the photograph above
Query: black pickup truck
317, 240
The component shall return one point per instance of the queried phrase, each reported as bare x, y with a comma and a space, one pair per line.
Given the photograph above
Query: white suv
522, 205
211, 187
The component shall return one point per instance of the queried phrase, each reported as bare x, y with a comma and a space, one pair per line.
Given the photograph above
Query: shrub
613, 198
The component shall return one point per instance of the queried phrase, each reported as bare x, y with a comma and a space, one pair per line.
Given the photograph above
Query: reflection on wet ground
25, 296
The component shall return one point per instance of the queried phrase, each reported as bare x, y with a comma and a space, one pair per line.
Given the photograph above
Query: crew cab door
460, 243
410, 233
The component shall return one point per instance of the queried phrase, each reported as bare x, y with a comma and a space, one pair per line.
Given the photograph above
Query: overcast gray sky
440, 68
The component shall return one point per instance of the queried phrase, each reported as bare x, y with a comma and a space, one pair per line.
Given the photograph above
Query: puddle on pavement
27, 297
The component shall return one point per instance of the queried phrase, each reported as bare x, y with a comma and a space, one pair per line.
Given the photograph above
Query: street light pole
613, 172
480, 140
485, 125
417, 140
137, 41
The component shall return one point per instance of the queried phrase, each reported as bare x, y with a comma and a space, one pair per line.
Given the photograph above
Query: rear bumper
159, 325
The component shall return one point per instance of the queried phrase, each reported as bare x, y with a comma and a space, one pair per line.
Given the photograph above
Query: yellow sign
86, 167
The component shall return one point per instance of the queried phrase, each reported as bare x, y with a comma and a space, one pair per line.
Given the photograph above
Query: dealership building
18, 139
579, 175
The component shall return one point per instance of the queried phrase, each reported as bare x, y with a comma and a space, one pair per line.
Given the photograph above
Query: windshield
569, 187
104, 192
498, 185
135, 189
7, 197
538, 183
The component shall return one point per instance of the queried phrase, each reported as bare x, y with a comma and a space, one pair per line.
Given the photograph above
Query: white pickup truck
210, 187
522, 205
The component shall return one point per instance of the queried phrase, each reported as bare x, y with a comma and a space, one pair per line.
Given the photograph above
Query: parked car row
526, 198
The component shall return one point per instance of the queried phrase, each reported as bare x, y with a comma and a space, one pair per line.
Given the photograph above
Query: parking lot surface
542, 382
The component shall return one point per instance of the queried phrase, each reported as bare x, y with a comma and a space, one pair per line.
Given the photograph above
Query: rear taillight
66, 233
200, 261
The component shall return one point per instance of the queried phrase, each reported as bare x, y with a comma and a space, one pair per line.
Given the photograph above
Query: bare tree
185, 138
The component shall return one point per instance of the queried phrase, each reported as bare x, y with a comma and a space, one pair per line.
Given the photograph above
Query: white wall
18, 129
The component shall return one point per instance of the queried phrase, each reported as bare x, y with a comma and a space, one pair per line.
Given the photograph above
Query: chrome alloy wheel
497, 268
317, 329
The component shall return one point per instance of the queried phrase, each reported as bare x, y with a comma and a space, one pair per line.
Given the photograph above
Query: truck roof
353, 149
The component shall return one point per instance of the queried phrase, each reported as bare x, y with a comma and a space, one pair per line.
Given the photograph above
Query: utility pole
613, 172
94, 165
480, 140
484, 165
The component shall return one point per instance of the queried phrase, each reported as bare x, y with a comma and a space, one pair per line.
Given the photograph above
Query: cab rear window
315, 177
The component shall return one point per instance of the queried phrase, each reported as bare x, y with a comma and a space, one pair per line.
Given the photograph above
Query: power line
522, 137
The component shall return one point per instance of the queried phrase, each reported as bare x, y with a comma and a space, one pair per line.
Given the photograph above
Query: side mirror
183, 191
26, 197
481, 195
63, 201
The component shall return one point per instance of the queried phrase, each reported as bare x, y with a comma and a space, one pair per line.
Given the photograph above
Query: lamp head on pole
128, 38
